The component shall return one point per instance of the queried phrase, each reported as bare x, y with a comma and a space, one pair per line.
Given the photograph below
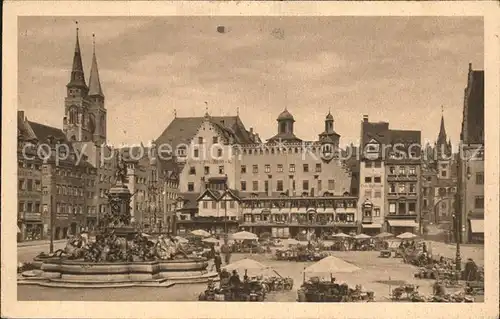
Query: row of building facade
217, 175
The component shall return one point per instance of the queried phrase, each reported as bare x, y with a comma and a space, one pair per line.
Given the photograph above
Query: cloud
380, 66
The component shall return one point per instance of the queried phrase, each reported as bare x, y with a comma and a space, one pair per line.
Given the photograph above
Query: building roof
94, 80
441, 140
43, 132
377, 131
406, 137
182, 129
473, 123
285, 116
189, 200
77, 75
284, 137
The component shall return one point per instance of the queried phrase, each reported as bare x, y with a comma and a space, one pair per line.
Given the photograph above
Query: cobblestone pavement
27, 251
375, 275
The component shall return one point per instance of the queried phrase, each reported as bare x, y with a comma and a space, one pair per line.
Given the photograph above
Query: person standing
218, 263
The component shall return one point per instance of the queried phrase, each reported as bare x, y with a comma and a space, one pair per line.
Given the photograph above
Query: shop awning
477, 225
372, 226
402, 223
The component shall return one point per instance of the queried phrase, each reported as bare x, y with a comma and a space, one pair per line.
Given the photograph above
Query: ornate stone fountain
119, 256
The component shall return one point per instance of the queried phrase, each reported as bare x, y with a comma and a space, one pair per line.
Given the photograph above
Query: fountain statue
119, 253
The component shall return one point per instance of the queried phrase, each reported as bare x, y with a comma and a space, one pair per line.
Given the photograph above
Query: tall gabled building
470, 199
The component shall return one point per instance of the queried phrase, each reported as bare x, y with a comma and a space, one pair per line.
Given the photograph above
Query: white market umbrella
252, 267
406, 236
210, 240
362, 236
341, 235
329, 265
200, 233
244, 235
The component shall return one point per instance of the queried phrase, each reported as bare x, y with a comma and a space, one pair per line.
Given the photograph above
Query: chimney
251, 130
470, 66
365, 118
20, 115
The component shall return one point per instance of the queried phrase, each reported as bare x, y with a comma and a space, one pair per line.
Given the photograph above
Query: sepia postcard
250, 159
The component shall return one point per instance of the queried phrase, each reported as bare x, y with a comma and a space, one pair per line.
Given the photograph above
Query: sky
402, 70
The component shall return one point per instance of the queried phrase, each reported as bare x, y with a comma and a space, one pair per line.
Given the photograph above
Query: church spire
77, 76
95, 88
442, 131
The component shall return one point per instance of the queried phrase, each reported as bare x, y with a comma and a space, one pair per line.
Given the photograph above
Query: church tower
76, 104
97, 111
329, 136
443, 153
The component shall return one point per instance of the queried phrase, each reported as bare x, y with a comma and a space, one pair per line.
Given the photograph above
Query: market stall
317, 289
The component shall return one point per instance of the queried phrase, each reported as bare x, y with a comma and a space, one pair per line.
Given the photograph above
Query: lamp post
458, 259
51, 216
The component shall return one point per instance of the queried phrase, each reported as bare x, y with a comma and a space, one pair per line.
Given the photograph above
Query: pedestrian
218, 263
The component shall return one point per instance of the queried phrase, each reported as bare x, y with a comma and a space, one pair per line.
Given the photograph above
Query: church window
280, 168
412, 170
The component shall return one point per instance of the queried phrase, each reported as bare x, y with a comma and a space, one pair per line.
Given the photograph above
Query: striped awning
477, 225
402, 223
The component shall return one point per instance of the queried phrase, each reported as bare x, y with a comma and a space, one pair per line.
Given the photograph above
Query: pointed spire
442, 131
95, 88
77, 76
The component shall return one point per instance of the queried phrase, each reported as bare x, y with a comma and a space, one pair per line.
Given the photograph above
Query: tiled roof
183, 129
377, 131
404, 137
189, 200
43, 132
285, 137
474, 110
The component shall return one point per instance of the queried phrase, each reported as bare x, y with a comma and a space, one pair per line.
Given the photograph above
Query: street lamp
458, 259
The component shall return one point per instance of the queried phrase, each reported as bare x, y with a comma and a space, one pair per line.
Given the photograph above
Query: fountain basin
61, 272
